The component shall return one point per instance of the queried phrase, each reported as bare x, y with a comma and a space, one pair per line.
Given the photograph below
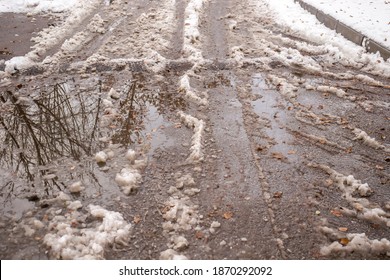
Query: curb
346, 31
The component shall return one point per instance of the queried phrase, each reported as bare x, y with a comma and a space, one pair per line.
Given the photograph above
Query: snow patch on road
68, 241
369, 141
185, 87
362, 208
357, 243
180, 215
293, 16
196, 143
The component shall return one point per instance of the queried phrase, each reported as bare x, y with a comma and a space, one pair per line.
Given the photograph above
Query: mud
269, 124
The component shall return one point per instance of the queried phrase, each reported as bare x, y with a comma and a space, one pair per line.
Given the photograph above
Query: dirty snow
196, 143
68, 241
292, 15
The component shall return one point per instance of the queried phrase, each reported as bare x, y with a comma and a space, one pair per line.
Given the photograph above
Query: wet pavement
252, 159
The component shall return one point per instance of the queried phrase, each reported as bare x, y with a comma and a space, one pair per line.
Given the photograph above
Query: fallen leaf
343, 229
348, 150
344, 241
328, 182
177, 125
379, 167
336, 213
292, 152
278, 194
228, 215
278, 156
137, 219
199, 235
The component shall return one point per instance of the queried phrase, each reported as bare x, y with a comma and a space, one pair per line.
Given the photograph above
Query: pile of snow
180, 215
67, 240
285, 88
38, 6
196, 143
130, 177
18, 63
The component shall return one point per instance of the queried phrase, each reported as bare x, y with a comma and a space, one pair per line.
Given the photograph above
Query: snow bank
371, 18
293, 16
69, 241
37, 6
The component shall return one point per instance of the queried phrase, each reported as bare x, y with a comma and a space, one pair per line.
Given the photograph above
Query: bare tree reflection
43, 128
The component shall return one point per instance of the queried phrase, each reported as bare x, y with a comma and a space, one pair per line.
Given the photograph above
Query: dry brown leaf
278, 194
336, 213
343, 229
278, 156
137, 219
379, 167
228, 215
199, 235
328, 182
292, 152
344, 241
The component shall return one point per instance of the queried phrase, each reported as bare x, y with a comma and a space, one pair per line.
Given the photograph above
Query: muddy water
17, 30
266, 130
51, 133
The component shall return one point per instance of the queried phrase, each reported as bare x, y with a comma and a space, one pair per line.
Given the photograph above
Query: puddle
50, 134
16, 33
271, 107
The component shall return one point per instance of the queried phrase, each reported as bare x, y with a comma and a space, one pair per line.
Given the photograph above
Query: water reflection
48, 135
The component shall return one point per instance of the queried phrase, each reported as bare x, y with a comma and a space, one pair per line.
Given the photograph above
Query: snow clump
196, 144
68, 241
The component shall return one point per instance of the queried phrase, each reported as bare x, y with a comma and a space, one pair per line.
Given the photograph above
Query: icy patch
196, 144
71, 242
